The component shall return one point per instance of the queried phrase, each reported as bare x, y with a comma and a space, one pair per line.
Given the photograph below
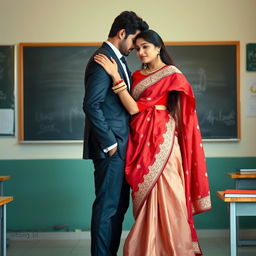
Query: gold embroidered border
152, 79
156, 168
196, 247
201, 204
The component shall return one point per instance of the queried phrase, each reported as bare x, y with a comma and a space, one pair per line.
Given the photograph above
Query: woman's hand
109, 65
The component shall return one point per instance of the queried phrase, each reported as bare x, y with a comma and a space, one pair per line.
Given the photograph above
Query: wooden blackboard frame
21, 83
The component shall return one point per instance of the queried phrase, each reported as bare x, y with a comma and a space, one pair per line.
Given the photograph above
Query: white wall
90, 20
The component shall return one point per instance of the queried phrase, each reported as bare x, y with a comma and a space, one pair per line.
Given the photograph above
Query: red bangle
118, 82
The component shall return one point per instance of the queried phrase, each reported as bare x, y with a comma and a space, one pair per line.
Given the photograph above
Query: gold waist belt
160, 107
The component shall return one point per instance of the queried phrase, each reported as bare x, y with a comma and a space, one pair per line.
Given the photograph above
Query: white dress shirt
119, 56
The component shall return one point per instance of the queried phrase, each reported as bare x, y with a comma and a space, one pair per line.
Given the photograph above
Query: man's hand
112, 151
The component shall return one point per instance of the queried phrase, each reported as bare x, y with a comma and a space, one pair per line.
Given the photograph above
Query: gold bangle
120, 89
123, 87
118, 86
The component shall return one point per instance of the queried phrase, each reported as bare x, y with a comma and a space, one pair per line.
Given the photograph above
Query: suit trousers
110, 205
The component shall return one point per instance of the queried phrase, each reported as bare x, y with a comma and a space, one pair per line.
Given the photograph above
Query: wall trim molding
247, 233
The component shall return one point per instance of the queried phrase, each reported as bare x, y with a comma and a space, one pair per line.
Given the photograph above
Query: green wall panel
60, 192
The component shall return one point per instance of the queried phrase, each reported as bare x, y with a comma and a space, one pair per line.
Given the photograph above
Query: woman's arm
128, 102
111, 68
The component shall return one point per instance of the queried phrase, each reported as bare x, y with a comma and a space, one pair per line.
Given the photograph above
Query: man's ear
121, 34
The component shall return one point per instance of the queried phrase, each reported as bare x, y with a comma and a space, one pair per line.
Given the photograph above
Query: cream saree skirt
161, 227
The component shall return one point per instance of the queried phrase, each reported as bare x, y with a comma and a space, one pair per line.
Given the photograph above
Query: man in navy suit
106, 134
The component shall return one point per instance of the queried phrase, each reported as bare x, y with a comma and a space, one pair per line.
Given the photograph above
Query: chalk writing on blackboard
212, 117
3, 95
75, 113
46, 122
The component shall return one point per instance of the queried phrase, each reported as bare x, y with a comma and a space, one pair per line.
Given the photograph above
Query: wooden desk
239, 206
3, 201
244, 181
2, 179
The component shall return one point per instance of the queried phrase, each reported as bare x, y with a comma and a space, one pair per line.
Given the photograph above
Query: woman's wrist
116, 78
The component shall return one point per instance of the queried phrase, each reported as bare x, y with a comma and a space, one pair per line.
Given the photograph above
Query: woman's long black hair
152, 37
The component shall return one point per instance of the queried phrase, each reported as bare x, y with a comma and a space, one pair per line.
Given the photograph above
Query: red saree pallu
151, 140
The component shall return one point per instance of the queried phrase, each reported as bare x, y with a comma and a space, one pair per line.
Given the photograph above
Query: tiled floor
210, 247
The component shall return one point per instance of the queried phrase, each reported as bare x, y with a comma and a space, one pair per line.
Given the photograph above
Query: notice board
7, 90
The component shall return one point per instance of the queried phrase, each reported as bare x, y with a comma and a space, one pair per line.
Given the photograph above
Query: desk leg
238, 184
233, 248
237, 231
4, 235
3, 230
1, 188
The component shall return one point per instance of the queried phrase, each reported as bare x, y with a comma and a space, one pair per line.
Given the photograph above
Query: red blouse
137, 77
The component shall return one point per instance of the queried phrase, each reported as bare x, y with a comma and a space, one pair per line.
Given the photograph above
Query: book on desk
247, 171
240, 193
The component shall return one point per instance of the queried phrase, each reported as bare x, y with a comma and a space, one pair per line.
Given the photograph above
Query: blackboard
52, 88
213, 73
7, 89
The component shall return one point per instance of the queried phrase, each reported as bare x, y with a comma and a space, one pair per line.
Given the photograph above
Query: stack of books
247, 171
239, 193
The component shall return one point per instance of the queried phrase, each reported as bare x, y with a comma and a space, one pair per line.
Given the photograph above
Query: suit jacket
106, 121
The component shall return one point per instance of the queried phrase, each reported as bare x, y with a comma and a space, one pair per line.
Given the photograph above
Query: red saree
151, 142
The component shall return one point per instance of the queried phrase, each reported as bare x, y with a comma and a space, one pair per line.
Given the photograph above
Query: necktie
127, 69
124, 61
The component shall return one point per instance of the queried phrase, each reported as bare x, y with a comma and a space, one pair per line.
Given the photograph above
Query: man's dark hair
129, 21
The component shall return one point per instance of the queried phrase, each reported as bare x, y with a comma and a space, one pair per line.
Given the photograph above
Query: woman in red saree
165, 162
